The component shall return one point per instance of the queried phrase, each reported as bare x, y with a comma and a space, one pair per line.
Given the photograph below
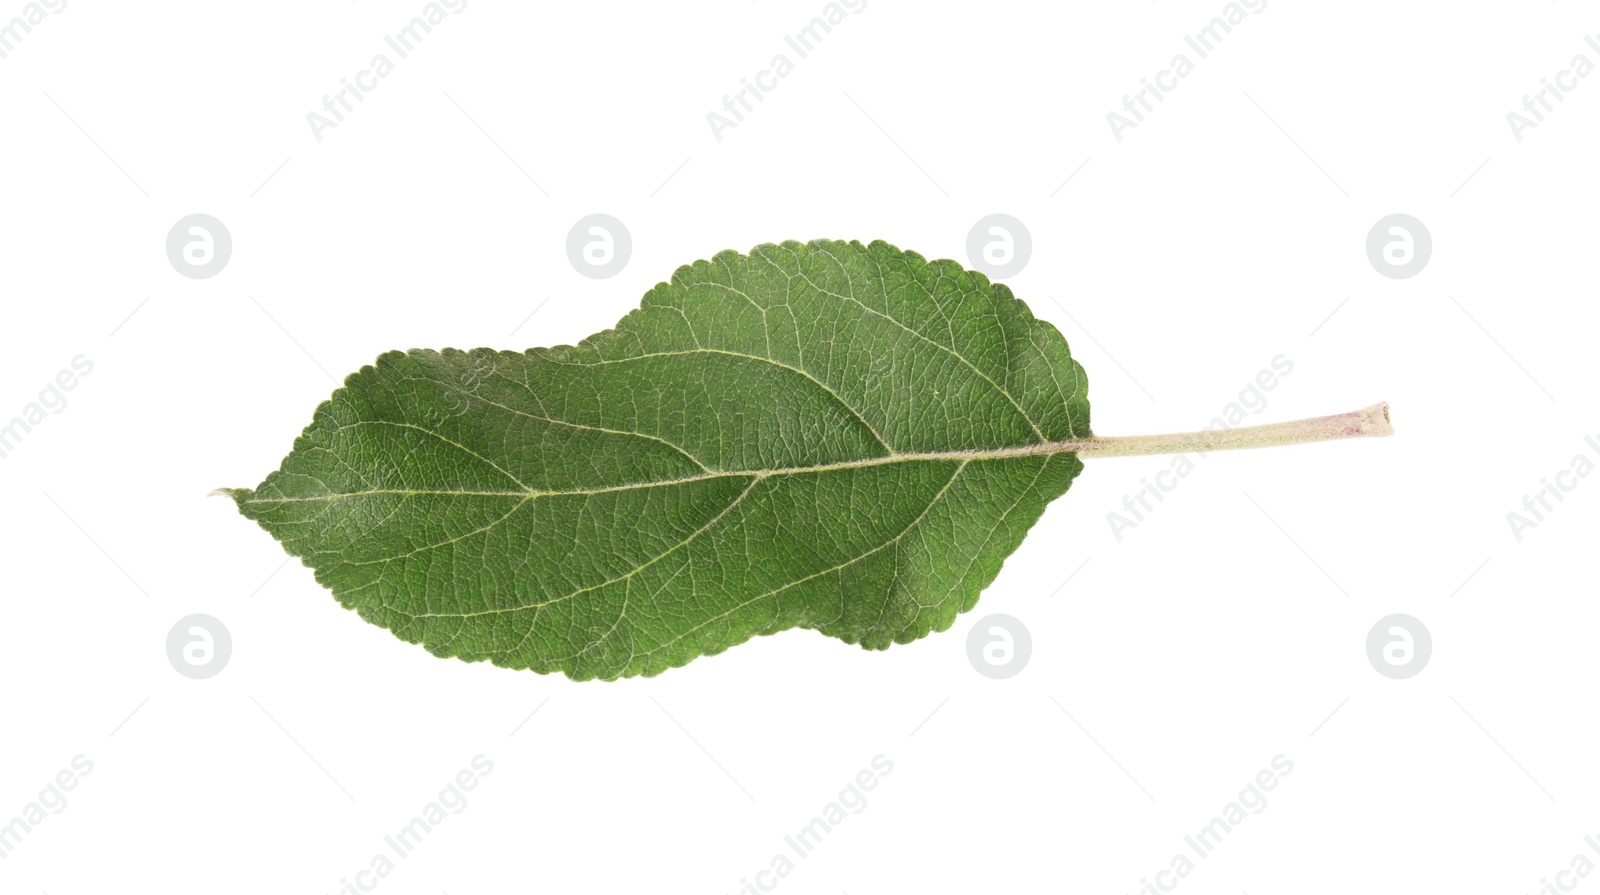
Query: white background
1227, 628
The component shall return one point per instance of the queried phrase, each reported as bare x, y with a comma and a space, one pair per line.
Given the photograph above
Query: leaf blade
812, 435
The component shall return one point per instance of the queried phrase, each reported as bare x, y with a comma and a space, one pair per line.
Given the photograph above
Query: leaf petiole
1369, 421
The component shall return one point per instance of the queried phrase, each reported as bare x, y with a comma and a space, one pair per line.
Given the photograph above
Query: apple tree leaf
829, 435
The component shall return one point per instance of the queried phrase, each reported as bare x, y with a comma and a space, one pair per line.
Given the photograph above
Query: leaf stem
1369, 421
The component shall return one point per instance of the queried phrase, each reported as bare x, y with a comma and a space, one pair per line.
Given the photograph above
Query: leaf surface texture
798, 437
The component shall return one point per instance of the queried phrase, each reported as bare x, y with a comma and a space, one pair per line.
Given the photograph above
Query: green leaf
827, 435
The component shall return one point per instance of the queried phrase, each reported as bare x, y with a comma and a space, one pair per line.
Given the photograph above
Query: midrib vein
1030, 450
